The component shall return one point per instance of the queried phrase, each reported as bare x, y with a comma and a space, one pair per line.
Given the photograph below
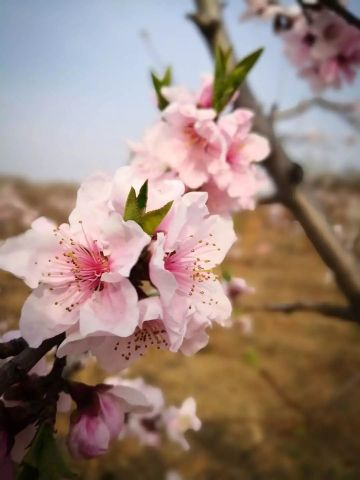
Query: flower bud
96, 425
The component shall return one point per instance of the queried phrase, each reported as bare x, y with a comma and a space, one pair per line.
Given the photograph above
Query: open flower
158, 328
194, 142
180, 420
237, 176
78, 273
185, 254
188, 295
325, 50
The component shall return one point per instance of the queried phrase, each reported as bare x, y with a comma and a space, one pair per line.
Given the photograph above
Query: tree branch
329, 310
208, 18
345, 110
16, 368
341, 11
12, 348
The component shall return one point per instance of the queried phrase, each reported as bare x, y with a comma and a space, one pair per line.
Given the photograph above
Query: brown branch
12, 348
336, 311
208, 18
16, 368
346, 110
336, 7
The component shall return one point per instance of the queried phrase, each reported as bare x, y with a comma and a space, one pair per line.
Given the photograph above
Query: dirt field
282, 402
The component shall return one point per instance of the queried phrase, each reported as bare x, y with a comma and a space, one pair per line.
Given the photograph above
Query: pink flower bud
95, 426
100, 416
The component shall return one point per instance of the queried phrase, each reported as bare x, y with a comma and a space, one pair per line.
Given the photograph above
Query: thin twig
329, 310
342, 12
16, 368
12, 347
346, 110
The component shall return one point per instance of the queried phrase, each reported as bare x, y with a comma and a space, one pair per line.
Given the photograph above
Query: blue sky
74, 80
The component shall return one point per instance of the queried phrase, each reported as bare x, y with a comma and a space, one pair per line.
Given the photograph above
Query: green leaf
221, 66
158, 83
132, 210
227, 83
43, 460
151, 220
143, 196
226, 275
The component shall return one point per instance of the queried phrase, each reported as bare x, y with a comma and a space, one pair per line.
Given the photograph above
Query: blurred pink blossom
179, 420
101, 417
325, 50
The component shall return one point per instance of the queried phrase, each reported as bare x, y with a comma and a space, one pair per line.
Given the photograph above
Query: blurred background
278, 394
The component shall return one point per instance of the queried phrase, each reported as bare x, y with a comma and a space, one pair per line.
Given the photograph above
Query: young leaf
44, 459
158, 83
221, 66
132, 210
151, 220
228, 83
143, 196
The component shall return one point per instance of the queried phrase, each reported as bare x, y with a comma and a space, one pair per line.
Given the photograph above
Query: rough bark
286, 174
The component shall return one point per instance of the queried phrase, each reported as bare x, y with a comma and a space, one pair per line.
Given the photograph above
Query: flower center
189, 264
192, 137
75, 273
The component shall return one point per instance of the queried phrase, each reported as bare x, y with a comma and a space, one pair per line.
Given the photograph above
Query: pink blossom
236, 287
101, 419
188, 245
262, 8
201, 99
180, 420
193, 142
146, 427
78, 273
325, 50
237, 175
158, 328
185, 254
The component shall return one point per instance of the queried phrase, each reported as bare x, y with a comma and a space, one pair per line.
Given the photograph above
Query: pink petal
27, 254
41, 318
113, 310
126, 241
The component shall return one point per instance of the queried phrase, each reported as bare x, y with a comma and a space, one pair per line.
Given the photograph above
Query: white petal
113, 310
26, 255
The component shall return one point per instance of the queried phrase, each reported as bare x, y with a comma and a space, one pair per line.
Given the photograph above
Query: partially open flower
100, 417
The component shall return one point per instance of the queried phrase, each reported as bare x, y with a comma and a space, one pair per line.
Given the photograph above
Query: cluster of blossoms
213, 153
322, 46
148, 427
112, 288
115, 409
134, 268
121, 408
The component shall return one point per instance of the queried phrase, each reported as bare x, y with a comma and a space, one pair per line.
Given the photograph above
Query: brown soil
281, 403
